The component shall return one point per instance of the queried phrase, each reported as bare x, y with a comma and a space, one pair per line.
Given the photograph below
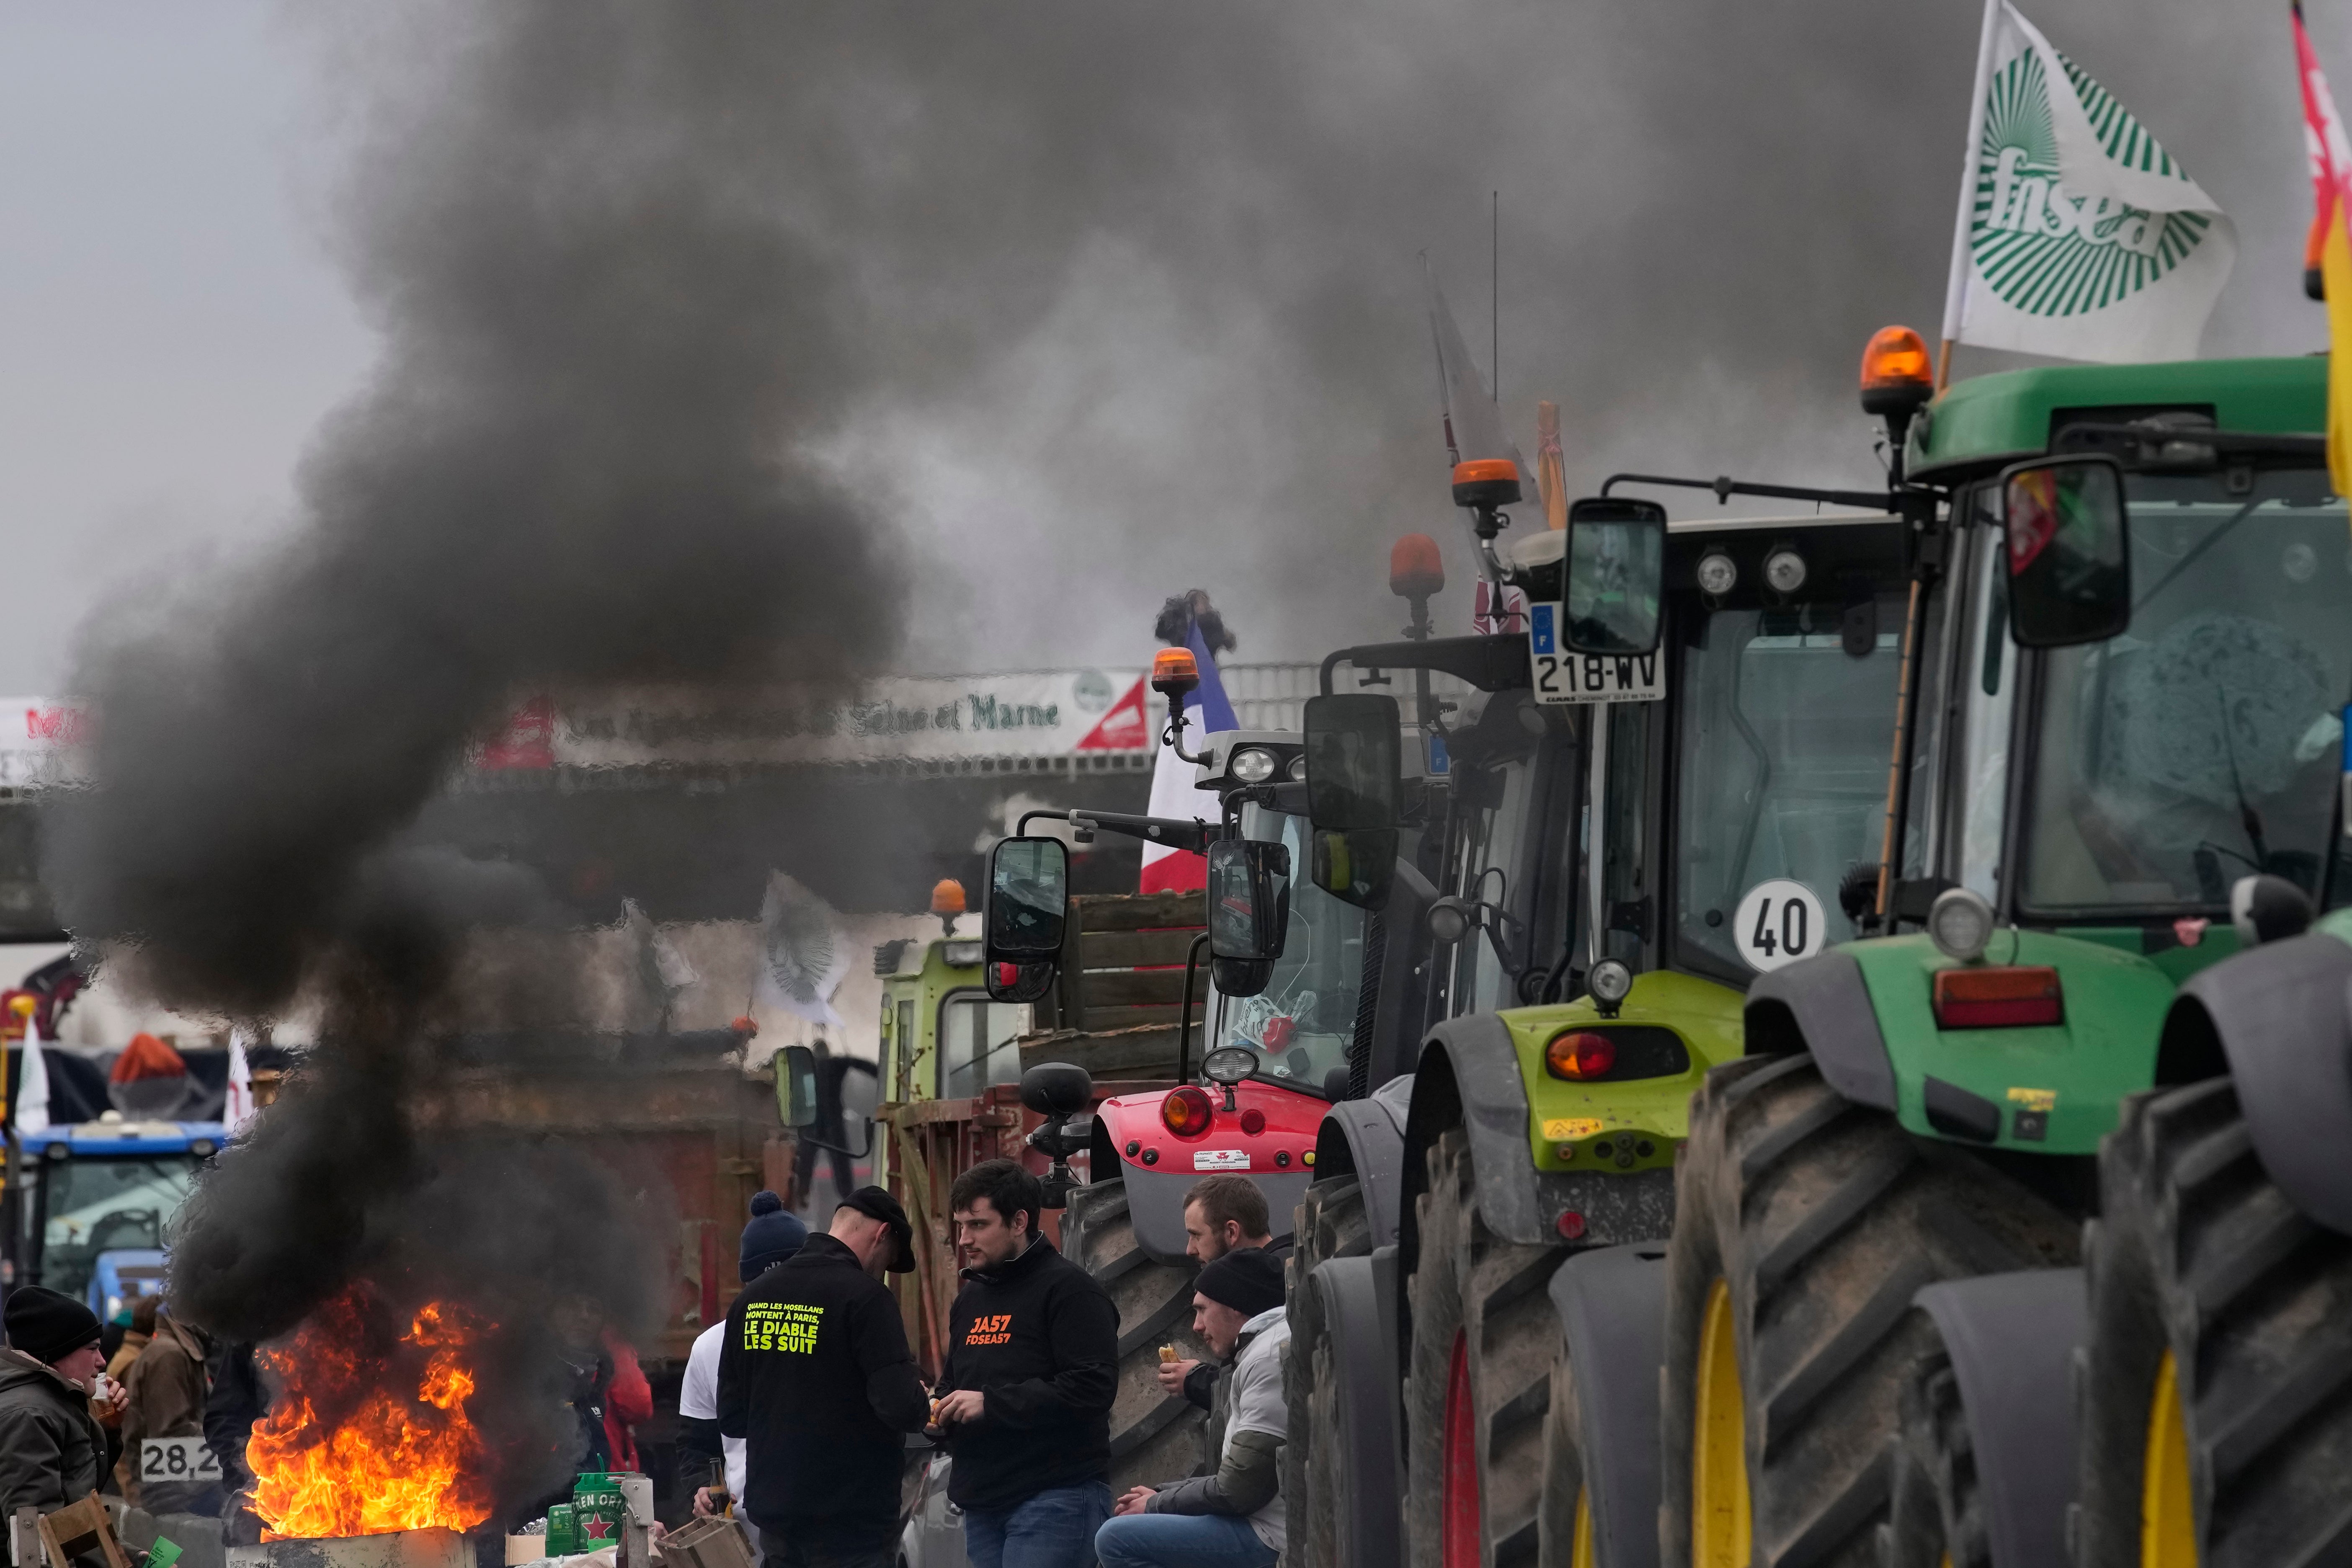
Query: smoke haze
717, 336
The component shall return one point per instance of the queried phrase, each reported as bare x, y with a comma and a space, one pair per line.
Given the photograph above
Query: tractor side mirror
1028, 906
2069, 564
1616, 575
1249, 899
796, 1086
1058, 1091
1353, 785
1240, 976
1017, 982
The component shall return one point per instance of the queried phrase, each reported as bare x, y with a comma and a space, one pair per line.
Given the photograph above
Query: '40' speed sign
1779, 922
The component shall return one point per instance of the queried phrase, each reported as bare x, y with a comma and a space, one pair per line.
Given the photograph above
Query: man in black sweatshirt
814, 1373
1033, 1364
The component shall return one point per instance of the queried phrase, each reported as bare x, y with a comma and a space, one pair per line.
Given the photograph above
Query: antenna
1494, 289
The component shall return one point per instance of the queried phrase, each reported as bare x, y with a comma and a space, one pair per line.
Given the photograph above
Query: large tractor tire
1599, 1505
1984, 1468
1331, 1223
2215, 1394
1155, 1437
1804, 1223
1936, 1508
1483, 1339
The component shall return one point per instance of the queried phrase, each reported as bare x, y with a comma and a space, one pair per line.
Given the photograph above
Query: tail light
2005, 998
1580, 1054
1186, 1111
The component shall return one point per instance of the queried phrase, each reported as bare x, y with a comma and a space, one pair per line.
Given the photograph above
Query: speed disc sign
1779, 922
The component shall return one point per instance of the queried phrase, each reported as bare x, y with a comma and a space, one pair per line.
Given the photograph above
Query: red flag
2331, 168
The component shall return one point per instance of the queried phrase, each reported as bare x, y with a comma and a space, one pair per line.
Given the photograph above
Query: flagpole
1956, 287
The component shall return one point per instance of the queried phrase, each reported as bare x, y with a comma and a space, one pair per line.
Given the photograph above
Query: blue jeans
1180, 1541
1052, 1529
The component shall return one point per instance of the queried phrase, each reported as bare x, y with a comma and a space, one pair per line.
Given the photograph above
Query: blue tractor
98, 1199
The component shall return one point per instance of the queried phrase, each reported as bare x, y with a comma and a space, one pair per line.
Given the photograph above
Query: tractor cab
99, 1199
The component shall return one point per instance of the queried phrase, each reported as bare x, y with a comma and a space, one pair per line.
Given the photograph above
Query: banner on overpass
896, 719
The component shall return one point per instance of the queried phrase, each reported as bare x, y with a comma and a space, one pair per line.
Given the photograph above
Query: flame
395, 1449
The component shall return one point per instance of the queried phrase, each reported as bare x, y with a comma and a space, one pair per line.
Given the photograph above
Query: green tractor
1670, 810
2213, 1408
2132, 643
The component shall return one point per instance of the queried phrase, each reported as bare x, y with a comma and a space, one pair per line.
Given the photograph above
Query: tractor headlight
1785, 570
1610, 981
1717, 574
1298, 768
1253, 765
1450, 920
1959, 923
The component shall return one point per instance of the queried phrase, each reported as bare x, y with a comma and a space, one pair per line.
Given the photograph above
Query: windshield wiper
2189, 557
2250, 821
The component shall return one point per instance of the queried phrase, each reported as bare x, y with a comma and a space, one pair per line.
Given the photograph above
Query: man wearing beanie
773, 1235
52, 1451
1234, 1517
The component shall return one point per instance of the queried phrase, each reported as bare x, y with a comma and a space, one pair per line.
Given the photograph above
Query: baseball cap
881, 1205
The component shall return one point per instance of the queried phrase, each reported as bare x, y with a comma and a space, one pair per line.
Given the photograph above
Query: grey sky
172, 324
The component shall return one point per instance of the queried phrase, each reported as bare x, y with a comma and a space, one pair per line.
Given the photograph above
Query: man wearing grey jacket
1233, 1519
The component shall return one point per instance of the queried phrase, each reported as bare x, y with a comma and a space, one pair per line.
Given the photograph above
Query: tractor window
1495, 864
976, 1043
1988, 678
90, 1206
905, 1033
1625, 880
1304, 1021
2204, 743
1784, 745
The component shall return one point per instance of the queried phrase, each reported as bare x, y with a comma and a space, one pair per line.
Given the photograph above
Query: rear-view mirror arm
1180, 833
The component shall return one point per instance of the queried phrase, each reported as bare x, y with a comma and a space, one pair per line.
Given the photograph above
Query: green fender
2048, 1090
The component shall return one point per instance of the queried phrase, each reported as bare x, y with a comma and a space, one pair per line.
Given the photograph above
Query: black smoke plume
585, 458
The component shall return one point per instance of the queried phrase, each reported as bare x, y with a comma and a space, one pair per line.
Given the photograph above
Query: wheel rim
1580, 1554
1720, 1523
2168, 1514
1461, 1502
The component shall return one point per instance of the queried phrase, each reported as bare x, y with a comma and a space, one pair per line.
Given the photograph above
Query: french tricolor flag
1206, 712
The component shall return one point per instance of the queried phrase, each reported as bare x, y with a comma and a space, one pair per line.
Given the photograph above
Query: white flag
237, 1108
33, 1083
2078, 237
807, 953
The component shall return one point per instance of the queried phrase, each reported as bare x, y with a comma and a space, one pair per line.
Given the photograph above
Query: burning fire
367, 1438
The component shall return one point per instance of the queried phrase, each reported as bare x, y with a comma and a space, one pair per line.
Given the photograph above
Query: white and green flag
2078, 236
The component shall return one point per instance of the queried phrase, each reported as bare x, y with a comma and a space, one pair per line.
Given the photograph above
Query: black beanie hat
47, 1325
1245, 1279
772, 1236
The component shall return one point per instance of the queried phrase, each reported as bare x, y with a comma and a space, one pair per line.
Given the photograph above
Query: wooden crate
1121, 970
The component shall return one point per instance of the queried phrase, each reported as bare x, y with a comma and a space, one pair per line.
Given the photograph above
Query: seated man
1235, 1516
1221, 1212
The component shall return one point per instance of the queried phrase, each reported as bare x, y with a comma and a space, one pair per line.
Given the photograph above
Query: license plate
1221, 1159
1563, 675
177, 1459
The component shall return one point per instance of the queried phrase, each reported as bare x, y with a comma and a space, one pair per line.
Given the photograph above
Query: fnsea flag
2077, 236
1205, 712
2331, 175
